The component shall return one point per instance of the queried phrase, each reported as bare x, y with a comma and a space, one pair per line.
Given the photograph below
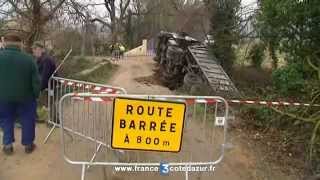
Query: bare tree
36, 14
116, 15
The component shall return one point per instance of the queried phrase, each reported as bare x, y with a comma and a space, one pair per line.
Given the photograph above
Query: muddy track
134, 68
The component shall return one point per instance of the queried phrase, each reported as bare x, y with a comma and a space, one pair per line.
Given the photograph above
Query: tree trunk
36, 26
93, 50
84, 40
272, 53
113, 23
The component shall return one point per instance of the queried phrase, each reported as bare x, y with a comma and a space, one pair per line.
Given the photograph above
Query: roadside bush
289, 80
256, 55
257, 116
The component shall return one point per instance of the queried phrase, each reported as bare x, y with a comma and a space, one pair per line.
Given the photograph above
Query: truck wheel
156, 59
191, 79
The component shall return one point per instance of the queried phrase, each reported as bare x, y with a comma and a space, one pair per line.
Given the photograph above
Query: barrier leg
49, 134
83, 172
95, 154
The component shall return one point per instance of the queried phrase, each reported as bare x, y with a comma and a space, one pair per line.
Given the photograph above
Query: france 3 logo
164, 168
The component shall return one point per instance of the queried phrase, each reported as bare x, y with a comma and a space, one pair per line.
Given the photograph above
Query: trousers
26, 112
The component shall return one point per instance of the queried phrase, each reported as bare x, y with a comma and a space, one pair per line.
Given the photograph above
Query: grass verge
100, 75
75, 65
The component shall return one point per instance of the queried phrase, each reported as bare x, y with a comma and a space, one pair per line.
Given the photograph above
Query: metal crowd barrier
58, 87
149, 53
86, 132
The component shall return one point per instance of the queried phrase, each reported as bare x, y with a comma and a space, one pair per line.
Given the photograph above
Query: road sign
147, 125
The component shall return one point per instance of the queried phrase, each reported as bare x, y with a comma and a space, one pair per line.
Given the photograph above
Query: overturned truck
185, 62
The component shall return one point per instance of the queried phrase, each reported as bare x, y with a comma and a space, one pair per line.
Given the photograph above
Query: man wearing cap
46, 64
19, 89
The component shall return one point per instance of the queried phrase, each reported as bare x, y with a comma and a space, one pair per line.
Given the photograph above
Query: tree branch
107, 5
53, 11
307, 120
45, 2
123, 9
313, 66
95, 4
101, 21
17, 10
148, 11
313, 138
76, 8
26, 4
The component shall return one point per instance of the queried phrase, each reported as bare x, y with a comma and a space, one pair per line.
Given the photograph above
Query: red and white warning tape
190, 101
108, 99
267, 103
272, 103
92, 88
96, 89
233, 101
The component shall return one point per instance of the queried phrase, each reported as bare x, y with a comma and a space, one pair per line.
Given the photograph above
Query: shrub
256, 55
289, 80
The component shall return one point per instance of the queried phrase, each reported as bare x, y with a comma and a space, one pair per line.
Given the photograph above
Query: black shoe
29, 148
8, 150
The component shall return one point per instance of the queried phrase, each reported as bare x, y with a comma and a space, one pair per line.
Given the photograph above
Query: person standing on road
117, 51
46, 67
122, 50
46, 64
19, 89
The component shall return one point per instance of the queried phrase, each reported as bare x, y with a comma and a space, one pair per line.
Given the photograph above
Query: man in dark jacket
46, 64
19, 89
46, 68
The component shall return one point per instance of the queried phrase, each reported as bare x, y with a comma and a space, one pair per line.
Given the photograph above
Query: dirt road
135, 68
46, 163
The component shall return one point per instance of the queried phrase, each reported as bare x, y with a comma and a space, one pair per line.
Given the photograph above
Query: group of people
117, 50
22, 77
